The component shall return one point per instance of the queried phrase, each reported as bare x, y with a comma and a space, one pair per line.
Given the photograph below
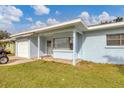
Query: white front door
23, 48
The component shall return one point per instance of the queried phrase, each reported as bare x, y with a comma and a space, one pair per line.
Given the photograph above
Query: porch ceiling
57, 31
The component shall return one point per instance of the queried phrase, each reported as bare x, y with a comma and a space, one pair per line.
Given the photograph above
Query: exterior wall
34, 46
93, 47
42, 43
63, 54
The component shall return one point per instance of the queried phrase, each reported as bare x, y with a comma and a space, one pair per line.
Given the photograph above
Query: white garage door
23, 48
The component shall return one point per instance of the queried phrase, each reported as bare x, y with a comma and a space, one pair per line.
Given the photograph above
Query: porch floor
50, 58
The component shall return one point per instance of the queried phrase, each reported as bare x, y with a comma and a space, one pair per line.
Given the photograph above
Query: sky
15, 19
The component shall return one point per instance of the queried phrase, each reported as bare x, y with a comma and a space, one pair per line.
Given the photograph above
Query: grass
51, 74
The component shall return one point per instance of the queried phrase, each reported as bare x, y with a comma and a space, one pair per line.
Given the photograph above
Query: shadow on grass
120, 69
90, 65
116, 60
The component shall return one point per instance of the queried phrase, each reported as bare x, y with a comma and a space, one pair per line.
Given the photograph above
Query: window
63, 43
115, 39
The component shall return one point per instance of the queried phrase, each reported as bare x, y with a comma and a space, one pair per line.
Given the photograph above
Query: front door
49, 47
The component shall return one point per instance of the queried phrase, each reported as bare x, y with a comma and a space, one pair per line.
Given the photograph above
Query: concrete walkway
17, 60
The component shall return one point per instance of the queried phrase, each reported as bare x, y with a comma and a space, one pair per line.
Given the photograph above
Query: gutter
106, 26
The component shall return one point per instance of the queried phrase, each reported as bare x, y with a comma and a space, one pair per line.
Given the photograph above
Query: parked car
3, 56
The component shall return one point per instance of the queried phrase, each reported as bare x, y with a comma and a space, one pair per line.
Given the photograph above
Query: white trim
16, 50
29, 49
106, 26
114, 47
74, 48
38, 47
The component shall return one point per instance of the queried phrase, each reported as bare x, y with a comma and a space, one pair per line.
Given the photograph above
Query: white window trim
114, 47
120, 45
61, 48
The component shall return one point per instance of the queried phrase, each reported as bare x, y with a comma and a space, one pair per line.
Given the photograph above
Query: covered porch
59, 44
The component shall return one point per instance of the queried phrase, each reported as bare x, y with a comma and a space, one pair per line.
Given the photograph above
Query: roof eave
49, 27
106, 26
71, 23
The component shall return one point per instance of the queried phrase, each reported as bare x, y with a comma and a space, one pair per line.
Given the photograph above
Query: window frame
70, 46
120, 39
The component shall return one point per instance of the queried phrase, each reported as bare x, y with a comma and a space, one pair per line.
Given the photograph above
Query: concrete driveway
17, 60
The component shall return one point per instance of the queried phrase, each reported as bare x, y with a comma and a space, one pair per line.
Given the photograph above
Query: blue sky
31, 17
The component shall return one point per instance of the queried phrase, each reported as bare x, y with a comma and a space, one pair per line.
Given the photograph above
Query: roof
70, 23
57, 26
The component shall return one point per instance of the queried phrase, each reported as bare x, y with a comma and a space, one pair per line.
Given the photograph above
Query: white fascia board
21, 36
85, 26
106, 26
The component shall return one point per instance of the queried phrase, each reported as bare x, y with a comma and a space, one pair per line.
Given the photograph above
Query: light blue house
74, 40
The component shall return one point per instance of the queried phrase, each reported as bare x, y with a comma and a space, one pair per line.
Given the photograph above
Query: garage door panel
23, 48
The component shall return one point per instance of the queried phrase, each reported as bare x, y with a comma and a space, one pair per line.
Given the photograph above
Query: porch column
74, 47
38, 48
16, 48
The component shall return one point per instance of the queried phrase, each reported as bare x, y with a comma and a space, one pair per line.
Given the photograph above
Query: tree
4, 34
118, 19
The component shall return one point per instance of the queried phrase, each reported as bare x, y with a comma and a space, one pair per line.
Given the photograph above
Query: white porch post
38, 51
74, 48
16, 49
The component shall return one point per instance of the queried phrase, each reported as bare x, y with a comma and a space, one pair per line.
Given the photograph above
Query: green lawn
51, 74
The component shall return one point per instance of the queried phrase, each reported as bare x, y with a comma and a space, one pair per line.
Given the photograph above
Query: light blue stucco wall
63, 54
93, 47
34, 46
